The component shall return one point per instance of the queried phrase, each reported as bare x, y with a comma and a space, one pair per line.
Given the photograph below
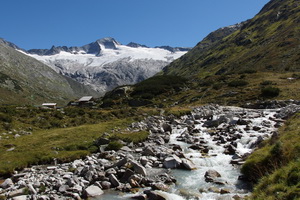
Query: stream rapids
195, 157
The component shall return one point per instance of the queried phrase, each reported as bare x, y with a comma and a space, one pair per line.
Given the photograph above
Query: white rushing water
191, 185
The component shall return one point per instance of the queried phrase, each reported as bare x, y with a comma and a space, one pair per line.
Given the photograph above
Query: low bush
5, 118
270, 92
237, 83
206, 83
264, 83
217, 86
248, 71
114, 145
158, 85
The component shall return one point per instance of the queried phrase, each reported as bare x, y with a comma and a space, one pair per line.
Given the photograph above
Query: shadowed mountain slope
24, 80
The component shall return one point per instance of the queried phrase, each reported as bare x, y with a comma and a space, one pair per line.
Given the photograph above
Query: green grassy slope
270, 42
276, 165
30, 135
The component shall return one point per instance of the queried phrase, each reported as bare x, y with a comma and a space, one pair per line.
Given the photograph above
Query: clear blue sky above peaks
43, 23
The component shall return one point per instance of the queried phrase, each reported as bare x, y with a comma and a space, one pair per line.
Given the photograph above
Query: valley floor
212, 142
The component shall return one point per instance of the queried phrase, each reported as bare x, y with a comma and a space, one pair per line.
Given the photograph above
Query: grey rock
166, 127
76, 189
121, 163
144, 160
22, 197
230, 149
7, 183
89, 176
211, 175
110, 171
114, 181
152, 195
31, 189
140, 197
138, 168
128, 173
172, 162
17, 192
43, 197
188, 164
160, 186
93, 191
126, 148
159, 141
63, 188
148, 151
105, 185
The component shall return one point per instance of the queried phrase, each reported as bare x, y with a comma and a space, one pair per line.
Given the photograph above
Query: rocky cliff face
25, 80
106, 63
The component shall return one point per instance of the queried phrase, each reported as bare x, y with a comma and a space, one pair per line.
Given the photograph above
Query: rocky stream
197, 156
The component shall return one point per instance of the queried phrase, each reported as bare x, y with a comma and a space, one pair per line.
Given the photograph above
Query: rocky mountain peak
136, 45
173, 49
108, 43
3, 41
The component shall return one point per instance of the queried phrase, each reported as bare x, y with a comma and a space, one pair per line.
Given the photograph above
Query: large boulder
17, 192
166, 127
114, 181
148, 151
22, 197
128, 173
138, 168
93, 191
211, 175
153, 196
188, 164
7, 183
172, 162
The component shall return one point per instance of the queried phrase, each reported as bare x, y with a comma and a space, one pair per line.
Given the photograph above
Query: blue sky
43, 23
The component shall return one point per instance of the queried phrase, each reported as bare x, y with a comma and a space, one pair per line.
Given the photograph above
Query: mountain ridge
106, 63
263, 43
95, 47
24, 80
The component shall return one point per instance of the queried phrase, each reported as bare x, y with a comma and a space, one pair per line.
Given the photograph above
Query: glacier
106, 63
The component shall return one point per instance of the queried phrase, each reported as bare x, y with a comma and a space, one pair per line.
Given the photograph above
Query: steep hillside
256, 60
269, 42
24, 80
106, 63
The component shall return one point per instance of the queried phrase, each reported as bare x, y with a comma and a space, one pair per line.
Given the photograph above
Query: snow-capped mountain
106, 63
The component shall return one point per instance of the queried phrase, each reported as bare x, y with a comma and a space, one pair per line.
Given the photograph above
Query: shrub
237, 83
206, 83
270, 92
93, 149
114, 145
242, 76
249, 71
5, 118
266, 83
217, 86
158, 85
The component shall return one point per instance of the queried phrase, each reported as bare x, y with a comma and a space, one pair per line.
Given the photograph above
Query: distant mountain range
106, 63
24, 80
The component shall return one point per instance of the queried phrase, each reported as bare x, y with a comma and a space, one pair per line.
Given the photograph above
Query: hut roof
86, 98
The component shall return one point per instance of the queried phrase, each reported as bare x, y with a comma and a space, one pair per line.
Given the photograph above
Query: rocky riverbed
194, 157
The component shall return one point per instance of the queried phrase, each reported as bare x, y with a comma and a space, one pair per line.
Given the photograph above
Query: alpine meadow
109, 121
